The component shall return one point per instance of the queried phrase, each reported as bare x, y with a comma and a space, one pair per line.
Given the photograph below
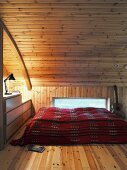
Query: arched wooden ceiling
70, 41
13, 61
14, 57
10, 60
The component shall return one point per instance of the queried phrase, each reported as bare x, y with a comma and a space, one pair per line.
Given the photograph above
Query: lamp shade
11, 77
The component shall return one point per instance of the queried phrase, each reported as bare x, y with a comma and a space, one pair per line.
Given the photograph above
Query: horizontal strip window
81, 102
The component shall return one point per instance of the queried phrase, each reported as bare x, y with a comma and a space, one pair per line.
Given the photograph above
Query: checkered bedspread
55, 126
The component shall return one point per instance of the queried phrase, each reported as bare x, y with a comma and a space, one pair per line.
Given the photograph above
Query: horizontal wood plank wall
42, 96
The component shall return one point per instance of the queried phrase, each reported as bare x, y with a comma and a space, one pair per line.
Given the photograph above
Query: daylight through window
80, 102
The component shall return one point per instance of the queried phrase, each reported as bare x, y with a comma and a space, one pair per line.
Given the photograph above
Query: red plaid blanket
55, 126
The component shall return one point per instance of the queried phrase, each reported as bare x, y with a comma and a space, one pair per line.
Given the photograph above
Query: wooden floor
86, 157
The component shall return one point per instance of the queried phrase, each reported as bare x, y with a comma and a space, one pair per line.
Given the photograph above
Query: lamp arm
6, 79
6, 89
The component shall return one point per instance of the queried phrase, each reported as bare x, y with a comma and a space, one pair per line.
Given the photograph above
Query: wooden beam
18, 54
5, 71
2, 123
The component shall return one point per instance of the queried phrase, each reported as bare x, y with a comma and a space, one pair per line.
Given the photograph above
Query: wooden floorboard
83, 157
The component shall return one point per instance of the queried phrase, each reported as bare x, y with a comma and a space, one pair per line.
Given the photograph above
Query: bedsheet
55, 126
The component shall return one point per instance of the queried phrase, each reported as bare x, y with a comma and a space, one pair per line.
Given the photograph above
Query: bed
55, 126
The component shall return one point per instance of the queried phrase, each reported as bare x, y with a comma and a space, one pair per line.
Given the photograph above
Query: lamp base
7, 93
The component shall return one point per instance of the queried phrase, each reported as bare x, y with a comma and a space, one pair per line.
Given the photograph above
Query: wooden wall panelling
42, 96
26, 94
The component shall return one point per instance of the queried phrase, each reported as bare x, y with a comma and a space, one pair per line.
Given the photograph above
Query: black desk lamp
10, 77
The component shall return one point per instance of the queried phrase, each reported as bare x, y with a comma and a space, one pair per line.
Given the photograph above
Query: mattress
55, 126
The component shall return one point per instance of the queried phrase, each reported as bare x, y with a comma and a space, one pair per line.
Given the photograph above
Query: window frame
107, 100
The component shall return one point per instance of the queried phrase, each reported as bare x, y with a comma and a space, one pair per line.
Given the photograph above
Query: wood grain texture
79, 157
43, 96
8, 37
68, 42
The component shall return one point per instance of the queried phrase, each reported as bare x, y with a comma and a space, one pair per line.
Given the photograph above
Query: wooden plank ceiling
67, 42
